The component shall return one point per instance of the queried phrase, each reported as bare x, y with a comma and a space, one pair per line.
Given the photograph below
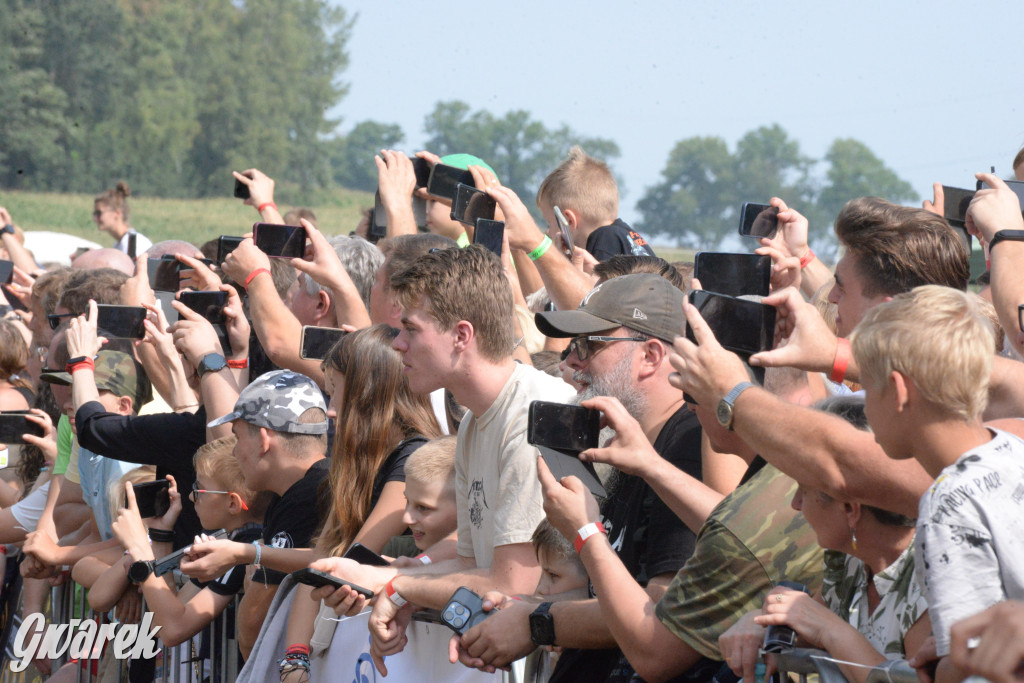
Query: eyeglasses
98, 212
55, 319
581, 346
194, 494
1020, 317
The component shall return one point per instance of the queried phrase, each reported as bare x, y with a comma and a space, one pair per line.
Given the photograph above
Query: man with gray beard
622, 336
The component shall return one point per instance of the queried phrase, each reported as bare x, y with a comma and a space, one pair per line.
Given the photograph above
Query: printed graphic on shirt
477, 502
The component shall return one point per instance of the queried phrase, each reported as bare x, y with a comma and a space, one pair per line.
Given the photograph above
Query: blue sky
933, 88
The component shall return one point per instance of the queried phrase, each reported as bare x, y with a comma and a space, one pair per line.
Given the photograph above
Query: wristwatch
1011, 235
542, 625
211, 362
7, 230
140, 570
725, 406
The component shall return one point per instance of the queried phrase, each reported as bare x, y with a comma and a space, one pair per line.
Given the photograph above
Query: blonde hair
550, 540
584, 185
936, 336
115, 492
433, 461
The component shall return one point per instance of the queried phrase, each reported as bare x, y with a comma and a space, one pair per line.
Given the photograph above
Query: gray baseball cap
276, 400
644, 302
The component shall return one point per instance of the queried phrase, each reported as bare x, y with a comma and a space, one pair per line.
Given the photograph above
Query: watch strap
542, 625
211, 362
1007, 235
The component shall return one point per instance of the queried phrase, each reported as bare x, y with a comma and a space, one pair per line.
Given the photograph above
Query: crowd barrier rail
806, 661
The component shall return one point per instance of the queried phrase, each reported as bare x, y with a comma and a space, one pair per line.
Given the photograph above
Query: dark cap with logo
643, 302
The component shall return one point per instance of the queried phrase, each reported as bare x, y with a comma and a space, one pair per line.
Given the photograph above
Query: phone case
463, 611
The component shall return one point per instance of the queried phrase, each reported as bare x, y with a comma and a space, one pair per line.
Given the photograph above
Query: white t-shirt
496, 483
969, 546
142, 243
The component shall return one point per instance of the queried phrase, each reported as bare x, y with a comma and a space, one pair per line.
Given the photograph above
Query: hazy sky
933, 88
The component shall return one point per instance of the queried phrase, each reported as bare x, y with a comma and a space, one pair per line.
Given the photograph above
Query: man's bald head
105, 258
171, 247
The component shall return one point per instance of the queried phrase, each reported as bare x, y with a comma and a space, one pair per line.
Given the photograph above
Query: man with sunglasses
621, 338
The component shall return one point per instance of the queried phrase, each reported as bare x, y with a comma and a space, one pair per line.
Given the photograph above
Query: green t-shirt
64, 438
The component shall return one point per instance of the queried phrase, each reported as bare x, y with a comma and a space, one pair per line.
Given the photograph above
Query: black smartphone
472, 204
164, 273
317, 341
132, 245
241, 190
14, 423
780, 638
421, 167
226, 245
209, 304
489, 234
317, 579
563, 427
6, 271
445, 179
464, 610
280, 241
378, 219
1016, 185
120, 322
563, 227
153, 498
733, 274
566, 464
955, 202
363, 555
419, 212
759, 220
741, 326
173, 561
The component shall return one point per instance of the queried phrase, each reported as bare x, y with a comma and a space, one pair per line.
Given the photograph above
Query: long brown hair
376, 413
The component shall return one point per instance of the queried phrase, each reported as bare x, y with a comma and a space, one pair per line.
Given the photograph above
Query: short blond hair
432, 462
936, 336
215, 461
583, 184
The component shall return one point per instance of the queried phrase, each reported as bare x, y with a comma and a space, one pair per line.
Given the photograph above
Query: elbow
651, 670
173, 638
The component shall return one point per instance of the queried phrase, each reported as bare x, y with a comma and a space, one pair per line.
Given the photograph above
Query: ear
236, 504
901, 388
654, 357
571, 217
852, 511
323, 305
265, 438
462, 335
124, 405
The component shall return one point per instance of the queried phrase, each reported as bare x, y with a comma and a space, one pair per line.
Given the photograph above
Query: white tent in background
55, 247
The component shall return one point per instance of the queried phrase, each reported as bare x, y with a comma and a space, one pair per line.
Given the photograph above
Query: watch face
139, 571
542, 629
724, 413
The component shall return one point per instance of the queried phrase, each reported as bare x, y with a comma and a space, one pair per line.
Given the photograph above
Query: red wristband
87, 363
265, 205
297, 648
253, 274
423, 558
806, 259
585, 532
393, 595
238, 364
842, 360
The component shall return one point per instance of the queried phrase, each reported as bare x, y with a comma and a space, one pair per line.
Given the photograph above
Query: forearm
19, 255
827, 453
302, 616
690, 499
108, 588
71, 554
159, 370
565, 284
432, 586
1008, 287
276, 327
349, 308
9, 494
845, 643
83, 388
219, 393
1006, 389
814, 276
270, 214
286, 560
526, 270
400, 218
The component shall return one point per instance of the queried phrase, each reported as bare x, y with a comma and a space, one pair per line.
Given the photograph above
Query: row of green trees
173, 96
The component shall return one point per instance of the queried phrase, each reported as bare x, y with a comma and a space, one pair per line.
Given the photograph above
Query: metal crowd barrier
806, 661
184, 663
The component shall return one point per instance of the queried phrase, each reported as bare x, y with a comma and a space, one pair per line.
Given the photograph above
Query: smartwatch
724, 413
1010, 235
542, 625
211, 362
7, 230
139, 571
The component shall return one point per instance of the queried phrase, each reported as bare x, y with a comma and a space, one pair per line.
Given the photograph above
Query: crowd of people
858, 481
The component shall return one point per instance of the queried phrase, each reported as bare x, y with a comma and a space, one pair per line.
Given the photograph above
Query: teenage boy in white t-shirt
457, 333
925, 359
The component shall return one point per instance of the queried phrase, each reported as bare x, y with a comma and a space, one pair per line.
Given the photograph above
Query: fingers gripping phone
280, 241
464, 610
561, 432
318, 579
14, 424
164, 273
741, 326
225, 245
153, 498
209, 304
471, 205
563, 227
782, 637
444, 181
173, 561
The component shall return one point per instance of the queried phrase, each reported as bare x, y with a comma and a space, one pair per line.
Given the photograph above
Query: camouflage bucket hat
276, 400
116, 372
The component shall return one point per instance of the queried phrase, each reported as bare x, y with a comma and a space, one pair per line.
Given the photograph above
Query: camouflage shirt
845, 590
751, 540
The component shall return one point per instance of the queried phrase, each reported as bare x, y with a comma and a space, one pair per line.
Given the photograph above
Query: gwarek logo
82, 639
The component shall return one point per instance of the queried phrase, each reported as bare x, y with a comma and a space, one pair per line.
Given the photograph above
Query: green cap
464, 161
116, 372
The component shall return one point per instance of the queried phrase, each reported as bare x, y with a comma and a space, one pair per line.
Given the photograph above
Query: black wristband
161, 536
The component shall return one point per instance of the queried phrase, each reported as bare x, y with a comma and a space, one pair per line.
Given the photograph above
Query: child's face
558, 575
213, 509
429, 511
439, 218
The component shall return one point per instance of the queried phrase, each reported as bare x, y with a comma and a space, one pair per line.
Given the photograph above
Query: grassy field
197, 220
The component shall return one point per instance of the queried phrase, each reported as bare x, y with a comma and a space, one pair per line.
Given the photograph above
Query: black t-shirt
393, 468
647, 536
231, 581
167, 440
617, 238
292, 519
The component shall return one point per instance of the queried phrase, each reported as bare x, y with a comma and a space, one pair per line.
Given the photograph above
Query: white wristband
424, 559
585, 532
259, 553
393, 595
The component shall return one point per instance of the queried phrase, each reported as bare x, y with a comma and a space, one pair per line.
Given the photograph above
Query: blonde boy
925, 359
430, 509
